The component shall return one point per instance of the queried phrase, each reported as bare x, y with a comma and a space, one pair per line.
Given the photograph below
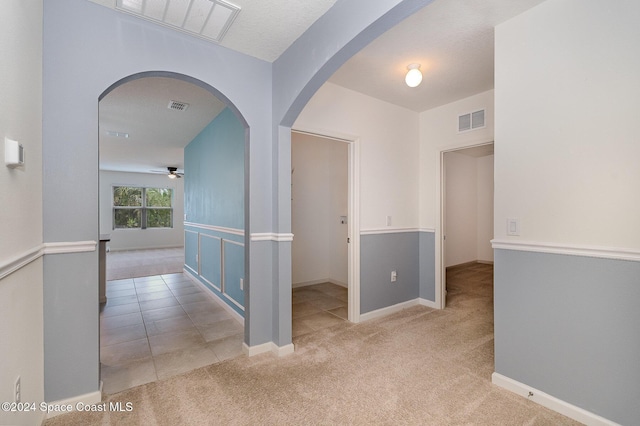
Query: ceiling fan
172, 172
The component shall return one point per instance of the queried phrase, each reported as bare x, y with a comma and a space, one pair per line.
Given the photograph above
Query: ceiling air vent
471, 121
208, 19
178, 106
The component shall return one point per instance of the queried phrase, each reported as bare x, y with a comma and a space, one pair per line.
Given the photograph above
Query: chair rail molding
13, 264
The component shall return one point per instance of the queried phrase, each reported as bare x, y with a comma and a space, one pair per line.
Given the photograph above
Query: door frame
441, 276
353, 214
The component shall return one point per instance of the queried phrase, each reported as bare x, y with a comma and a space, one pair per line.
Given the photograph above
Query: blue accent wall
214, 201
214, 174
569, 326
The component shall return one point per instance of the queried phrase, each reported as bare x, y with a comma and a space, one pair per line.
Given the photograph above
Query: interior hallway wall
389, 235
21, 276
566, 288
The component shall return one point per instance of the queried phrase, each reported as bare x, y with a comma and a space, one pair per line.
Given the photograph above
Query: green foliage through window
142, 208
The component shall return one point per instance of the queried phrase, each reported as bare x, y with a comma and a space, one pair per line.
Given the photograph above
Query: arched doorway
156, 312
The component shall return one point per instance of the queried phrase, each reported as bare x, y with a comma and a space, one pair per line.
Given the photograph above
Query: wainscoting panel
191, 250
210, 265
220, 261
234, 272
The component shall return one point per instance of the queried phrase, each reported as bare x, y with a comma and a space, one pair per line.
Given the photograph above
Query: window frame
143, 208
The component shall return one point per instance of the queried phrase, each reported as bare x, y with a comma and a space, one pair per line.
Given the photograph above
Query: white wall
567, 147
461, 209
387, 135
319, 197
485, 208
130, 239
439, 132
469, 208
21, 292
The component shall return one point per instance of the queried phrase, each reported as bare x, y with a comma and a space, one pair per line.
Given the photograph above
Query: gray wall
568, 326
427, 266
410, 254
87, 48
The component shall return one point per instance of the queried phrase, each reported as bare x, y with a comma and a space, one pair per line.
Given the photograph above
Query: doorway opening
158, 322
466, 225
325, 275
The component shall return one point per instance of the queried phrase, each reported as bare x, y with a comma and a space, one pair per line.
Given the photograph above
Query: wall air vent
471, 121
178, 106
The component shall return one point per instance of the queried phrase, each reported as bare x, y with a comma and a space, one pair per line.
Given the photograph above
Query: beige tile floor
316, 307
159, 326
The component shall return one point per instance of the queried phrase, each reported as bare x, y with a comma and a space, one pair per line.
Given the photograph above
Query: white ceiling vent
178, 106
471, 121
209, 19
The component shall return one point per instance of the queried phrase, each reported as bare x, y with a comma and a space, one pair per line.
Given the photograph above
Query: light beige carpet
416, 367
144, 263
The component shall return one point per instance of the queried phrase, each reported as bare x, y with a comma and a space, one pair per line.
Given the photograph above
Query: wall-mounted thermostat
13, 153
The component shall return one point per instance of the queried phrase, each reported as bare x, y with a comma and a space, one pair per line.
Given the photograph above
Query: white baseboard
91, 398
550, 402
382, 312
268, 347
428, 303
322, 281
214, 296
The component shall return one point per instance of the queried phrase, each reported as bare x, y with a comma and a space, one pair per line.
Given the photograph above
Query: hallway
159, 326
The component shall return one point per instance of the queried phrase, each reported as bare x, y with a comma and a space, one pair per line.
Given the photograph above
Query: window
141, 208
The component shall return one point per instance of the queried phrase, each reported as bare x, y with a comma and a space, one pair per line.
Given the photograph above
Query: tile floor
316, 307
160, 326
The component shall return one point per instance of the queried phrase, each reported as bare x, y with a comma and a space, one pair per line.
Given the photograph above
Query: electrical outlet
17, 394
196, 258
394, 276
241, 283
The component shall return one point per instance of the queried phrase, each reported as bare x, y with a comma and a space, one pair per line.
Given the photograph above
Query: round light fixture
414, 76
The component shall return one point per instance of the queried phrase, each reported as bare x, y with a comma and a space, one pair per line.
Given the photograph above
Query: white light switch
513, 226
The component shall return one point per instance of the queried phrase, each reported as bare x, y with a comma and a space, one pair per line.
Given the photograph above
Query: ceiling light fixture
414, 76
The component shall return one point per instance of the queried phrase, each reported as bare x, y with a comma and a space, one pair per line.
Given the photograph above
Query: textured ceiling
266, 28
157, 134
451, 39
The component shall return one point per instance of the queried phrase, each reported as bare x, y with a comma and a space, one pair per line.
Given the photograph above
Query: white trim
383, 312
387, 231
214, 296
233, 231
18, 262
70, 247
268, 347
428, 303
320, 281
550, 402
572, 250
272, 236
15, 263
91, 398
